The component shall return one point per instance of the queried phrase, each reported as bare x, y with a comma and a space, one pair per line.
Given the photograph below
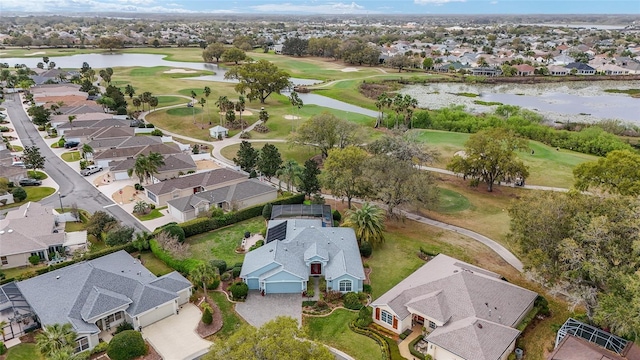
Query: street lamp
60, 198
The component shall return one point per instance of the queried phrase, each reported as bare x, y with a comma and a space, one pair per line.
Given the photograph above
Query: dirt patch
103, 180
129, 195
36, 53
291, 117
179, 71
206, 165
349, 69
152, 354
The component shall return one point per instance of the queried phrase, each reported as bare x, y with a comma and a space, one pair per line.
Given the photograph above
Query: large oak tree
259, 79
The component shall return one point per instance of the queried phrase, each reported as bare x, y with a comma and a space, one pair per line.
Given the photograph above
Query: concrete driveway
175, 338
257, 309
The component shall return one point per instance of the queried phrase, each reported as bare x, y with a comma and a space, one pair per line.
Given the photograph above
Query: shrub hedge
183, 266
384, 346
202, 225
412, 348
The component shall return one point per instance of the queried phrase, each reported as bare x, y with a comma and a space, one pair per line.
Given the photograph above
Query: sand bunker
206, 164
36, 53
292, 117
349, 69
179, 71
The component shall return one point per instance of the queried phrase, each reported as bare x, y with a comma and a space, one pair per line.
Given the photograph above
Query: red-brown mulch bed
207, 330
151, 355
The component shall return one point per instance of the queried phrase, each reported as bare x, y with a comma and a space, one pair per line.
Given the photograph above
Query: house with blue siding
296, 249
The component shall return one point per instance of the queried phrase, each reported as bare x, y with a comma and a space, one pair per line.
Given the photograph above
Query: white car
91, 169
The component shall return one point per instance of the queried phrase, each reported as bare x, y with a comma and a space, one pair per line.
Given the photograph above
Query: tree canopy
279, 339
617, 173
586, 247
269, 161
32, 158
246, 157
326, 131
234, 54
259, 79
213, 51
309, 182
490, 157
367, 222
343, 173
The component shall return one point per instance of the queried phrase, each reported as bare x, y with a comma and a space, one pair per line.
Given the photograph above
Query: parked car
18, 164
190, 104
30, 182
71, 144
91, 169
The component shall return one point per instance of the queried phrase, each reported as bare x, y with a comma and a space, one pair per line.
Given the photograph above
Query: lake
101, 61
569, 101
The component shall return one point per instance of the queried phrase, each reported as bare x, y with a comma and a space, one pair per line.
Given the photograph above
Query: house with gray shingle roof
301, 249
96, 296
232, 197
469, 313
35, 230
175, 164
183, 186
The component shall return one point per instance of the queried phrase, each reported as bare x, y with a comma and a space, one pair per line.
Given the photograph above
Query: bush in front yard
220, 264
19, 194
207, 317
365, 249
34, 259
351, 301
124, 326
239, 290
127, 345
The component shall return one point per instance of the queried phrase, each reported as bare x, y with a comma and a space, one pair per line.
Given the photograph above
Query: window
345, 285
82, 344
386, 317
4, 260
432, 325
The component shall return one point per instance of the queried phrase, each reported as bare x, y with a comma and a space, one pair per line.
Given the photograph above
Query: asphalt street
73, 187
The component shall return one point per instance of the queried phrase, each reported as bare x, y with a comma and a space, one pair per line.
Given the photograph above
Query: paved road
73, 186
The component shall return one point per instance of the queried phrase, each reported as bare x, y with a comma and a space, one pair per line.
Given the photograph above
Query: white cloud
137, 2
493, 2
327, 8
436, 2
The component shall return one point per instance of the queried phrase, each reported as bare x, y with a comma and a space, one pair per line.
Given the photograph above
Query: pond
100, 61
567, 101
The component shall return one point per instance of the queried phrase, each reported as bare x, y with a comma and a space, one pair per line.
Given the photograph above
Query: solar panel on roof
278, 232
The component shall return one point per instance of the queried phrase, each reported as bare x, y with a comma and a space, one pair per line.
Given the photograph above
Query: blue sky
329, 7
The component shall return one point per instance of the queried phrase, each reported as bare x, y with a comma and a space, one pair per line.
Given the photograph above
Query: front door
316, 269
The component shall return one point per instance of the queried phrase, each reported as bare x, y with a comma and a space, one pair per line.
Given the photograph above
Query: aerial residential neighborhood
435, 180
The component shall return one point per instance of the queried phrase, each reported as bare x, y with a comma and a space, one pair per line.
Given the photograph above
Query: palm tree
136, 102
207, 92
55, 338
139, 168
71, 118
222, 105
153, 102
154, 162
383, 101
193, 105
290, 171
86, 149
129, 90
368, 223
204, 273
202, 102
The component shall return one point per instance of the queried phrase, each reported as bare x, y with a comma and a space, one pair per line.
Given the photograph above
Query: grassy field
25, 351
221, 244
450, 201
296, 152
153, 214
34, 193
37, 175
154, 264
230, 319
71, 156
547, 166
334, 330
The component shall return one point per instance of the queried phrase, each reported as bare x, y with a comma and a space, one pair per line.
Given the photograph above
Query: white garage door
121, 175
156, 315
183, 296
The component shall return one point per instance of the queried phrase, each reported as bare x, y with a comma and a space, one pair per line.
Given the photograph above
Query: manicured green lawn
296, 152
230, 319
34, 193
74, 226
24, 351
37, 175
450, 201
333, 330
154, 265
153, 214
221, 244
71, 156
